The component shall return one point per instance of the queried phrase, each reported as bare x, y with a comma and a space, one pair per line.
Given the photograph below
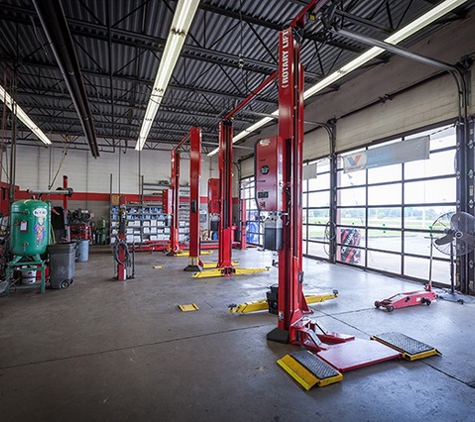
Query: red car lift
279, 191
225, 267
195, 173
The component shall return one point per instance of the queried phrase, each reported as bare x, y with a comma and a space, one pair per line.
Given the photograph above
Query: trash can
83, 251
61, 264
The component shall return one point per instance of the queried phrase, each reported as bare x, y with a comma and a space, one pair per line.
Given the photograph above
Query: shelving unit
184, 213
145, 222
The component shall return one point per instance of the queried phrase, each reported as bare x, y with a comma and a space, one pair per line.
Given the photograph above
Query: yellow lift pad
410, 348
186, 254
188, 308
309, 370
208, 265
158, 267
219, 272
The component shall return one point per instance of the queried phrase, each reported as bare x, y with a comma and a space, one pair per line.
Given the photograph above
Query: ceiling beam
134, 80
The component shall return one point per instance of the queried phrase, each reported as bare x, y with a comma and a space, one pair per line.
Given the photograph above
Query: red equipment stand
120, 248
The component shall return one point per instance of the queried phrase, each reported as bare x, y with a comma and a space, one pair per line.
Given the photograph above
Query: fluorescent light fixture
184, 14
404, 33
20, 113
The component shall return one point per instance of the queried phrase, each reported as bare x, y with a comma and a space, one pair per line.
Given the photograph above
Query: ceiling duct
54, 23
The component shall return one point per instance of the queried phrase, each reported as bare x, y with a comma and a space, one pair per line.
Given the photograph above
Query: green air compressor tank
29, 227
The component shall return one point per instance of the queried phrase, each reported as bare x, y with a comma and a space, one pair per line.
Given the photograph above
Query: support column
291, 301
225, 237
195, 174
175, 188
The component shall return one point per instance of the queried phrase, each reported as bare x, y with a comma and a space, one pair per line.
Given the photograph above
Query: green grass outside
319, 231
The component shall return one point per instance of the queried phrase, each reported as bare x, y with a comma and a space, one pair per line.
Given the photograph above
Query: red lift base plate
357, 354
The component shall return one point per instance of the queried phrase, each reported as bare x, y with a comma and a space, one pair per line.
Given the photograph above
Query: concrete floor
113, 351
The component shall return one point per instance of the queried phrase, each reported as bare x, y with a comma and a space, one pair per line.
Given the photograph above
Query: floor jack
278, 187
406, 299
415, 298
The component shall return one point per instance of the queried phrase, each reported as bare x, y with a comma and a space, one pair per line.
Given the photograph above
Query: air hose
116, 252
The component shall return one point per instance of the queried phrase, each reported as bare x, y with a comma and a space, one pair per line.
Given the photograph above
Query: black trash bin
62, 257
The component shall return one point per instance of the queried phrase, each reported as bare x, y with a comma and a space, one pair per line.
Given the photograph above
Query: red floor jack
125, 261
403, 300
417, 297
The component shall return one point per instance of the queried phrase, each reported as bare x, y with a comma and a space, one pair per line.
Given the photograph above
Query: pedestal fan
453, 235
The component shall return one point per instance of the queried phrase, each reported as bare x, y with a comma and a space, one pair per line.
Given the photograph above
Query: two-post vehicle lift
195, 263
225, 266
279, 164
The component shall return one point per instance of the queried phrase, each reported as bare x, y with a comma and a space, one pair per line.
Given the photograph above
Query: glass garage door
385, 214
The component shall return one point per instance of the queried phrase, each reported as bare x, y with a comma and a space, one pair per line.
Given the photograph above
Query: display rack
145, 223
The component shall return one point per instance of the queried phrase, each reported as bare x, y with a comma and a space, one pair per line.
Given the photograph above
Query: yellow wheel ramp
226, 272
309, 370
261, 305
410, 348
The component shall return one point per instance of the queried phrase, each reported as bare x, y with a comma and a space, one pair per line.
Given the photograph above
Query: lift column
174, 187
225, 237
291, 301
195, 173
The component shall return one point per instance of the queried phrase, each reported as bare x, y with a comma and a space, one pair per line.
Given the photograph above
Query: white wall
37, 166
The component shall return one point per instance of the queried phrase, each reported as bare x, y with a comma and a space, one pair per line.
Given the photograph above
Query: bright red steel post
225, 237
195, 174
174, 187
291, 302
